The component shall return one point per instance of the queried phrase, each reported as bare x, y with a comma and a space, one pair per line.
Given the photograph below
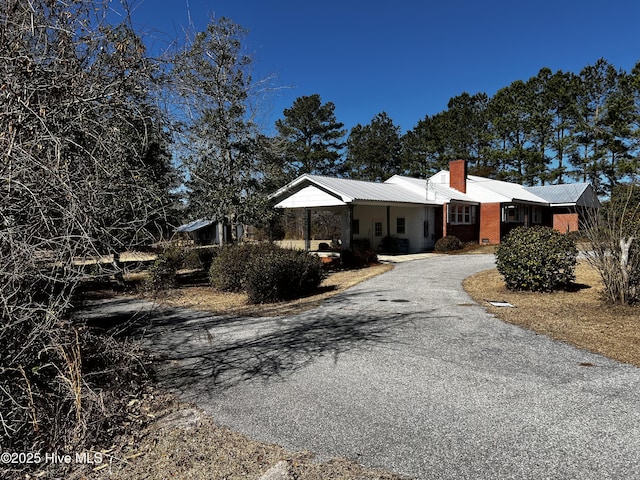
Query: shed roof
195, 225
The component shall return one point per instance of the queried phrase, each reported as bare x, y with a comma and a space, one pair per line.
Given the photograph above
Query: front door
437, 223
376, 234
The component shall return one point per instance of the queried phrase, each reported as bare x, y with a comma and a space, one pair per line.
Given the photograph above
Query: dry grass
475, 249
237, 304
578, 317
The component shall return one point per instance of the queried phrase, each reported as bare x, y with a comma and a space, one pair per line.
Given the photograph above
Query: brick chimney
458, 175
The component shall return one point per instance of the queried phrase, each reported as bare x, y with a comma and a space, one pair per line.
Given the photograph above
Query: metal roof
349, 191
436, 190
317, 190
195, 225
484, 190
567, 194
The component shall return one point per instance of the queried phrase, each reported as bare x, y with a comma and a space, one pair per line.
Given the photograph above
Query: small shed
209, 232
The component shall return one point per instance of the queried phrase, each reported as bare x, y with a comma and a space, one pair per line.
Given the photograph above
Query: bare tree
84, 172
614, 235
223, 151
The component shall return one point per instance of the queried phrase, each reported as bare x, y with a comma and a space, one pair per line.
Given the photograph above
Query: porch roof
319, 191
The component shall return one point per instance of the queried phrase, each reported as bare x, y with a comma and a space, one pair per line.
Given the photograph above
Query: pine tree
373, 150
312, 137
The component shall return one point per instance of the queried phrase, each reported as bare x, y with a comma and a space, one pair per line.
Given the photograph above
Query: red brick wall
490, 220
565, 222
445, 221
458, 175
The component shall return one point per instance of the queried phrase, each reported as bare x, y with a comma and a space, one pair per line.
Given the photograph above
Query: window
460, 214
536, 215
377, 229
513, 214
355, 226
400, 225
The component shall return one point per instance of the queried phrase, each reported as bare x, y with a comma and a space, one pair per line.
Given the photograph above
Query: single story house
209, 232
417, 212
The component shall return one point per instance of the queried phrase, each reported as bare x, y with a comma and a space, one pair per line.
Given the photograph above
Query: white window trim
465, 214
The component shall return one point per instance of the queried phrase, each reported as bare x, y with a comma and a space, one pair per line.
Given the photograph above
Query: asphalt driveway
405, 372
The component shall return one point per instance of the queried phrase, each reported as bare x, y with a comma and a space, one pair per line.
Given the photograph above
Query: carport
368, 211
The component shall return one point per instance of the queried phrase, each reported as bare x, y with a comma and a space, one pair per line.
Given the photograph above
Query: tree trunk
625, 247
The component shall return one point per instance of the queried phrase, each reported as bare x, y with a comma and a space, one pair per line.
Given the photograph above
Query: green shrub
449, 243
536, 259
357, 258
163, 272
282, 275
200, 258
361, 245
228, 269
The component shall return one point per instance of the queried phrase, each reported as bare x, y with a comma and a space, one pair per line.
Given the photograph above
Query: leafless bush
84, 172
614, 235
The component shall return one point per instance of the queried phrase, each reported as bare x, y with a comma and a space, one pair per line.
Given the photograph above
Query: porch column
445, 219
349, 236
307, 229
388, 221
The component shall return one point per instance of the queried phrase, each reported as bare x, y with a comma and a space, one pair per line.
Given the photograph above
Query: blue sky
406, 57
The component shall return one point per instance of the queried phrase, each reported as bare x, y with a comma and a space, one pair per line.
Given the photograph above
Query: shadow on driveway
197, 351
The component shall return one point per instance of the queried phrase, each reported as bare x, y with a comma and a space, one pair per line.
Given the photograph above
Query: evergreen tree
461, 132
312, 137
559, 96
373, 150
466, 126
424, 147
597, 84
540, 130
510, 123
620, 162
631, 168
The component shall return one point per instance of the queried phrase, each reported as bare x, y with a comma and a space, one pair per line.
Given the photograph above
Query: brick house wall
566, 222
490, 223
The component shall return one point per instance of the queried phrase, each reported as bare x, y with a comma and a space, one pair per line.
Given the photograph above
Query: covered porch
373, 217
